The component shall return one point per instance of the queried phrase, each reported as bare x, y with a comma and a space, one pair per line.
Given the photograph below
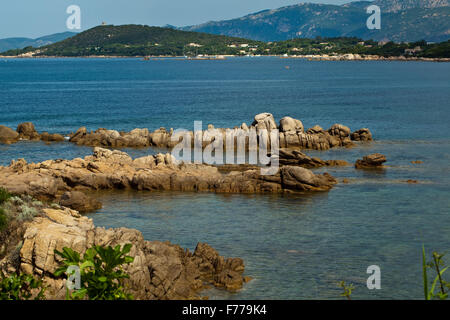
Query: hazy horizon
49, 16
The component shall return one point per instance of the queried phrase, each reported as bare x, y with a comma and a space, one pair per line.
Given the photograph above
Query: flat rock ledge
372, 161
160, 271
289, 157
107, 169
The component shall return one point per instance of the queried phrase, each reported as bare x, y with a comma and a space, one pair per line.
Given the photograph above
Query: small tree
101, 272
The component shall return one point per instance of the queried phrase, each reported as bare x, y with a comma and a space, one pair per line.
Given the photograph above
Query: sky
32, 19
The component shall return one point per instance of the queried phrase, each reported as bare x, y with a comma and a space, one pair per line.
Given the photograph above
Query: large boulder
339, 130
51, 137
362, 135
301, 179
159, 138
79, 201
79, 135
264, 121
371, 161
288, 124
8, 135
27, 131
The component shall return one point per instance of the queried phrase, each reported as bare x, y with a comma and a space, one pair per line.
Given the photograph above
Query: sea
294, 246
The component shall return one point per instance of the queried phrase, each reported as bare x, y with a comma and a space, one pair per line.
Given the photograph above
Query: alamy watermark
74, 20
228, 146
374, 280
374, 21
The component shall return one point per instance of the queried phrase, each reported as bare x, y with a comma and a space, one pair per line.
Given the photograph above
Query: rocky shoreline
160, 270
323, 57
358, 57
106, 170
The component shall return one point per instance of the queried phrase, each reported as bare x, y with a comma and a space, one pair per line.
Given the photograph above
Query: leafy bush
101, 272
27, 213
4, 195
20, 287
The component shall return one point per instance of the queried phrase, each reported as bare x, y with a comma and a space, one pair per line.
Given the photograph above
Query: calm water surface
296, 247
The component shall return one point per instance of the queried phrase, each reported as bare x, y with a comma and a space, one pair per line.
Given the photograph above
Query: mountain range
402, 20
20, 43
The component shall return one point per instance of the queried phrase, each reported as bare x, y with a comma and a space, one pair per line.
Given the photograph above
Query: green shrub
101, 272
27, 213
4, 195
20, 287
3, 219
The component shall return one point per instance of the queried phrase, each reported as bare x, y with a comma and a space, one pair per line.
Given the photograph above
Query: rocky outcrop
289, 157
291, 130
160, 270
51, 137
115, 139
264, 121
292, 135
8, 135
78, 201
288, 124
107, 169
372, 161
27, 131
362, 135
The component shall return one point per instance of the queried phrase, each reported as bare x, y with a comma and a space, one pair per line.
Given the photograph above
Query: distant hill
20, 43
139, 40
402, 20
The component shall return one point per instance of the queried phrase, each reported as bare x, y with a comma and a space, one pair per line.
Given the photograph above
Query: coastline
323, 57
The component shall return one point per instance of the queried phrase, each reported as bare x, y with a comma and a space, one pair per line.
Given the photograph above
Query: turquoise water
296, 247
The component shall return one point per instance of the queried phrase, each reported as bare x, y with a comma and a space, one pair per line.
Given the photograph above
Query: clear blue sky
35, 18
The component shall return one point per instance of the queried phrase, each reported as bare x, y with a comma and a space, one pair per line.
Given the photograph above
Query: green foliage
27, 213
438, 265
3, 219
101, 272
4, 195
20, 287
347, 290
